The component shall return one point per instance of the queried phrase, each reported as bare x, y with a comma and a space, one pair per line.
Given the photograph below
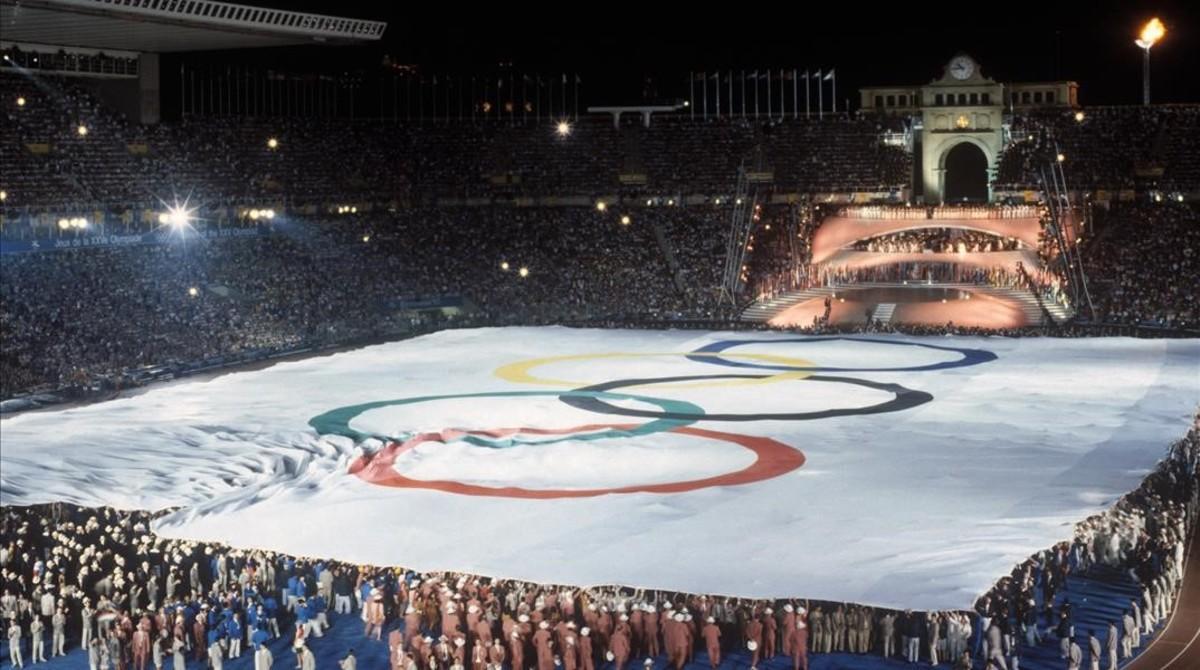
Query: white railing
240, 16
942, 212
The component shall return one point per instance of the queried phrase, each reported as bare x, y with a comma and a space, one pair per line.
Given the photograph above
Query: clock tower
958, 125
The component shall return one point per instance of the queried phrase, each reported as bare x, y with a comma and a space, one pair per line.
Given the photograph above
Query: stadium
333, 338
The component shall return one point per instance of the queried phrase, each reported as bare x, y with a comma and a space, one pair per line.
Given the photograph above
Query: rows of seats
227, 159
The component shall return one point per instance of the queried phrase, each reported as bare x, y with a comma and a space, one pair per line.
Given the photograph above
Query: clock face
962, 67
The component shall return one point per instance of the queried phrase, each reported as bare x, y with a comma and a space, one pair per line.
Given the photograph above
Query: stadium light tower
1152, 32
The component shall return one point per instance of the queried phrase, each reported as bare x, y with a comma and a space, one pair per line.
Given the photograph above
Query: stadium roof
173, 25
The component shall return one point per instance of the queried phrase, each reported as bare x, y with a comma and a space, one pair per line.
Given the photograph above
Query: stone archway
965, 174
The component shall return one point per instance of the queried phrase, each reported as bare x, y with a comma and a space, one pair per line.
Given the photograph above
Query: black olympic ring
905, 398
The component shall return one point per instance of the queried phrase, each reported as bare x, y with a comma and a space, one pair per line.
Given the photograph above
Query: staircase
763, 311
883, 312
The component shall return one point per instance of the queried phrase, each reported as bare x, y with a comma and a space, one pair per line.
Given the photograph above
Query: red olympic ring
772, 458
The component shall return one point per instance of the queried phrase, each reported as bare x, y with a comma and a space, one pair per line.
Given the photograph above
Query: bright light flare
272, 143
504, 265
20, 101
601, 206
176, 217
1152, 32
563, 129
625, 221
524, 272
193, 291
82, 130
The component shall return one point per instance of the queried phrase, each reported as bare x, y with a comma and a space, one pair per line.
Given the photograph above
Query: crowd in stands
79, 314
49, 164
1106, 147
1144, 534
1143, 264
76, 314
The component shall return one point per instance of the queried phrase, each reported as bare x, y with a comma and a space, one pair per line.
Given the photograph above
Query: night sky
616, 51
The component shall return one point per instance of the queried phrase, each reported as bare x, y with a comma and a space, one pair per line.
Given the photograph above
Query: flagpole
718, 76
743, 94
692, 94
782, 97
833, 82
807, 99
755, 78
820, 95
795, 98
730, 94
770, 110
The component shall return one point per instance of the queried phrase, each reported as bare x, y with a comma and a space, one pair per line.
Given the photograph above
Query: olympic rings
337, 421
772, 458
903, 398
519, 372
970, 357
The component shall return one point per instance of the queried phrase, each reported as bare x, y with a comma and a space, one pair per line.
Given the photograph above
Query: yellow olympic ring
519, 372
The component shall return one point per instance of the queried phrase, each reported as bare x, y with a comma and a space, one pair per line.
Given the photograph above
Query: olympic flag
906, 472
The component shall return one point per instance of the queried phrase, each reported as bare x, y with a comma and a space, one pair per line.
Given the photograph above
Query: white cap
524, 618
585, 631
711, 620
543, 625
787, 607
679, 617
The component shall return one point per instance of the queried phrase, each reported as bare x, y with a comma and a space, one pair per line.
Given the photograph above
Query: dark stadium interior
184, 195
